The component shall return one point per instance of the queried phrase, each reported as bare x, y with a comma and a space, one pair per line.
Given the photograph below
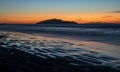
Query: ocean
105, 40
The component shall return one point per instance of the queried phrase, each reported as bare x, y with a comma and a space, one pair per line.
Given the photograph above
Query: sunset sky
81, 11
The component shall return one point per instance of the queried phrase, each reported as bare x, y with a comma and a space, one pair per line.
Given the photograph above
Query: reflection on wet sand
74, 52
109, 49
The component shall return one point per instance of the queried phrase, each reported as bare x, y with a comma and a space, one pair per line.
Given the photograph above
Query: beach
26, 52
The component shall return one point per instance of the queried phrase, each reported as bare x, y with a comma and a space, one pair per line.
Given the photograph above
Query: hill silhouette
55, 21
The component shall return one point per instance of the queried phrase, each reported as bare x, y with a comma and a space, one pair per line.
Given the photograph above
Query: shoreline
102, 47
24, 52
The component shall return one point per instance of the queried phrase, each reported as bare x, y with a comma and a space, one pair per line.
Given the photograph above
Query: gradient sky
82, 11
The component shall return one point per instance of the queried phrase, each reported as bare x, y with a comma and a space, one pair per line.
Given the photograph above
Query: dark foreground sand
25, 62
16, 58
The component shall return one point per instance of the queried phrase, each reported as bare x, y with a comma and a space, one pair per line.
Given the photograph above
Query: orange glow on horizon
79, 18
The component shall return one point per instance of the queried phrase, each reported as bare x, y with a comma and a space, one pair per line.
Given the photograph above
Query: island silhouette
62, 23
56, 21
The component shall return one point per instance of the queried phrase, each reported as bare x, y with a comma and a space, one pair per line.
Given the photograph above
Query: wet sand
26, 53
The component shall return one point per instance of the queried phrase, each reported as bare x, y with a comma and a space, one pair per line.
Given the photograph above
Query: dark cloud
117, 21
107, 17
115, 11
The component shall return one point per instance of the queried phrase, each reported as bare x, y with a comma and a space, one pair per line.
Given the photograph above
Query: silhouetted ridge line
55, 21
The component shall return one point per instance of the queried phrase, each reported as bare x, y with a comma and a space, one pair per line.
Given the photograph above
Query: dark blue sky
59, 5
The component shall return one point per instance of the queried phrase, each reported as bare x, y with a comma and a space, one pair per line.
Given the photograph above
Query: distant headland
56, 21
